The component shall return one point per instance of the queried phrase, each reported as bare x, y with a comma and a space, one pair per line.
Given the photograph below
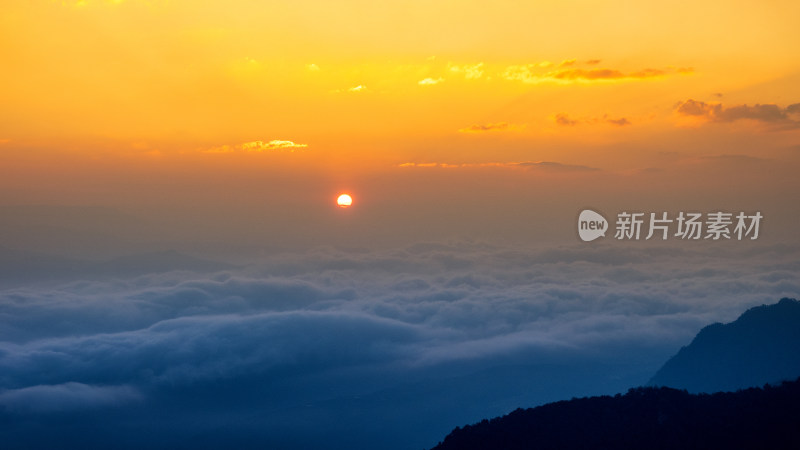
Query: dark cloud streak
771, 114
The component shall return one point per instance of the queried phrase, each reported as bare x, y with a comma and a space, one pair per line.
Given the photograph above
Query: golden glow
310, 86
344, 201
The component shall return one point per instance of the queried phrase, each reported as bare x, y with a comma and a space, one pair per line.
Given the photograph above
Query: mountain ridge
645, 417
761, 346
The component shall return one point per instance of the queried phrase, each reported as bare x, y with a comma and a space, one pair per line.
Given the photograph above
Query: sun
344, 201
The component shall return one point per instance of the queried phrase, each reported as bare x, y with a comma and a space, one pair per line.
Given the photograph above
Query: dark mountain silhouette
646, 418
761, 346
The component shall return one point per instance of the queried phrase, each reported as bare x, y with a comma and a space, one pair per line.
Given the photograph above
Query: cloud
584, 74
735, 158
355, 89
697, 108
529, 74
335, 290
258, 146
604, 74
764, 113
66, 397
470, 72
209, 348
499, 126
556, 166
565, 120
165, 296
430, 81
771, 114
543, 165
520, 73
622, 121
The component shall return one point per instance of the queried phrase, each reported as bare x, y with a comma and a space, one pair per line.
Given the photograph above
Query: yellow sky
351, 88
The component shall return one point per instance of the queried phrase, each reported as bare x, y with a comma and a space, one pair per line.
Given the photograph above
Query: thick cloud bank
304, 345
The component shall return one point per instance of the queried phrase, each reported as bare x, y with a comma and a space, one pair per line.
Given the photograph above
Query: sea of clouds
355, 348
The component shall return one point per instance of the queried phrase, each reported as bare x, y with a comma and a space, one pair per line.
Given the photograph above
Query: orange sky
137, 102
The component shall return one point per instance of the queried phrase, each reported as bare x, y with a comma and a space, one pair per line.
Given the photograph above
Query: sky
173, 256
254, 108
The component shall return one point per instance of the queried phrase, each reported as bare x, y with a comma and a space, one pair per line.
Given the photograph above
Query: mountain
761, 346
649, 417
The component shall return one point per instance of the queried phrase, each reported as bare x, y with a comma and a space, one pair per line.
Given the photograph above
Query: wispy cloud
258, 146
430, 81
564, 119
557, 167
622, 121
470, 72
536, 165
530, 73
355, 89
768, 113
483, 128
68, 396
